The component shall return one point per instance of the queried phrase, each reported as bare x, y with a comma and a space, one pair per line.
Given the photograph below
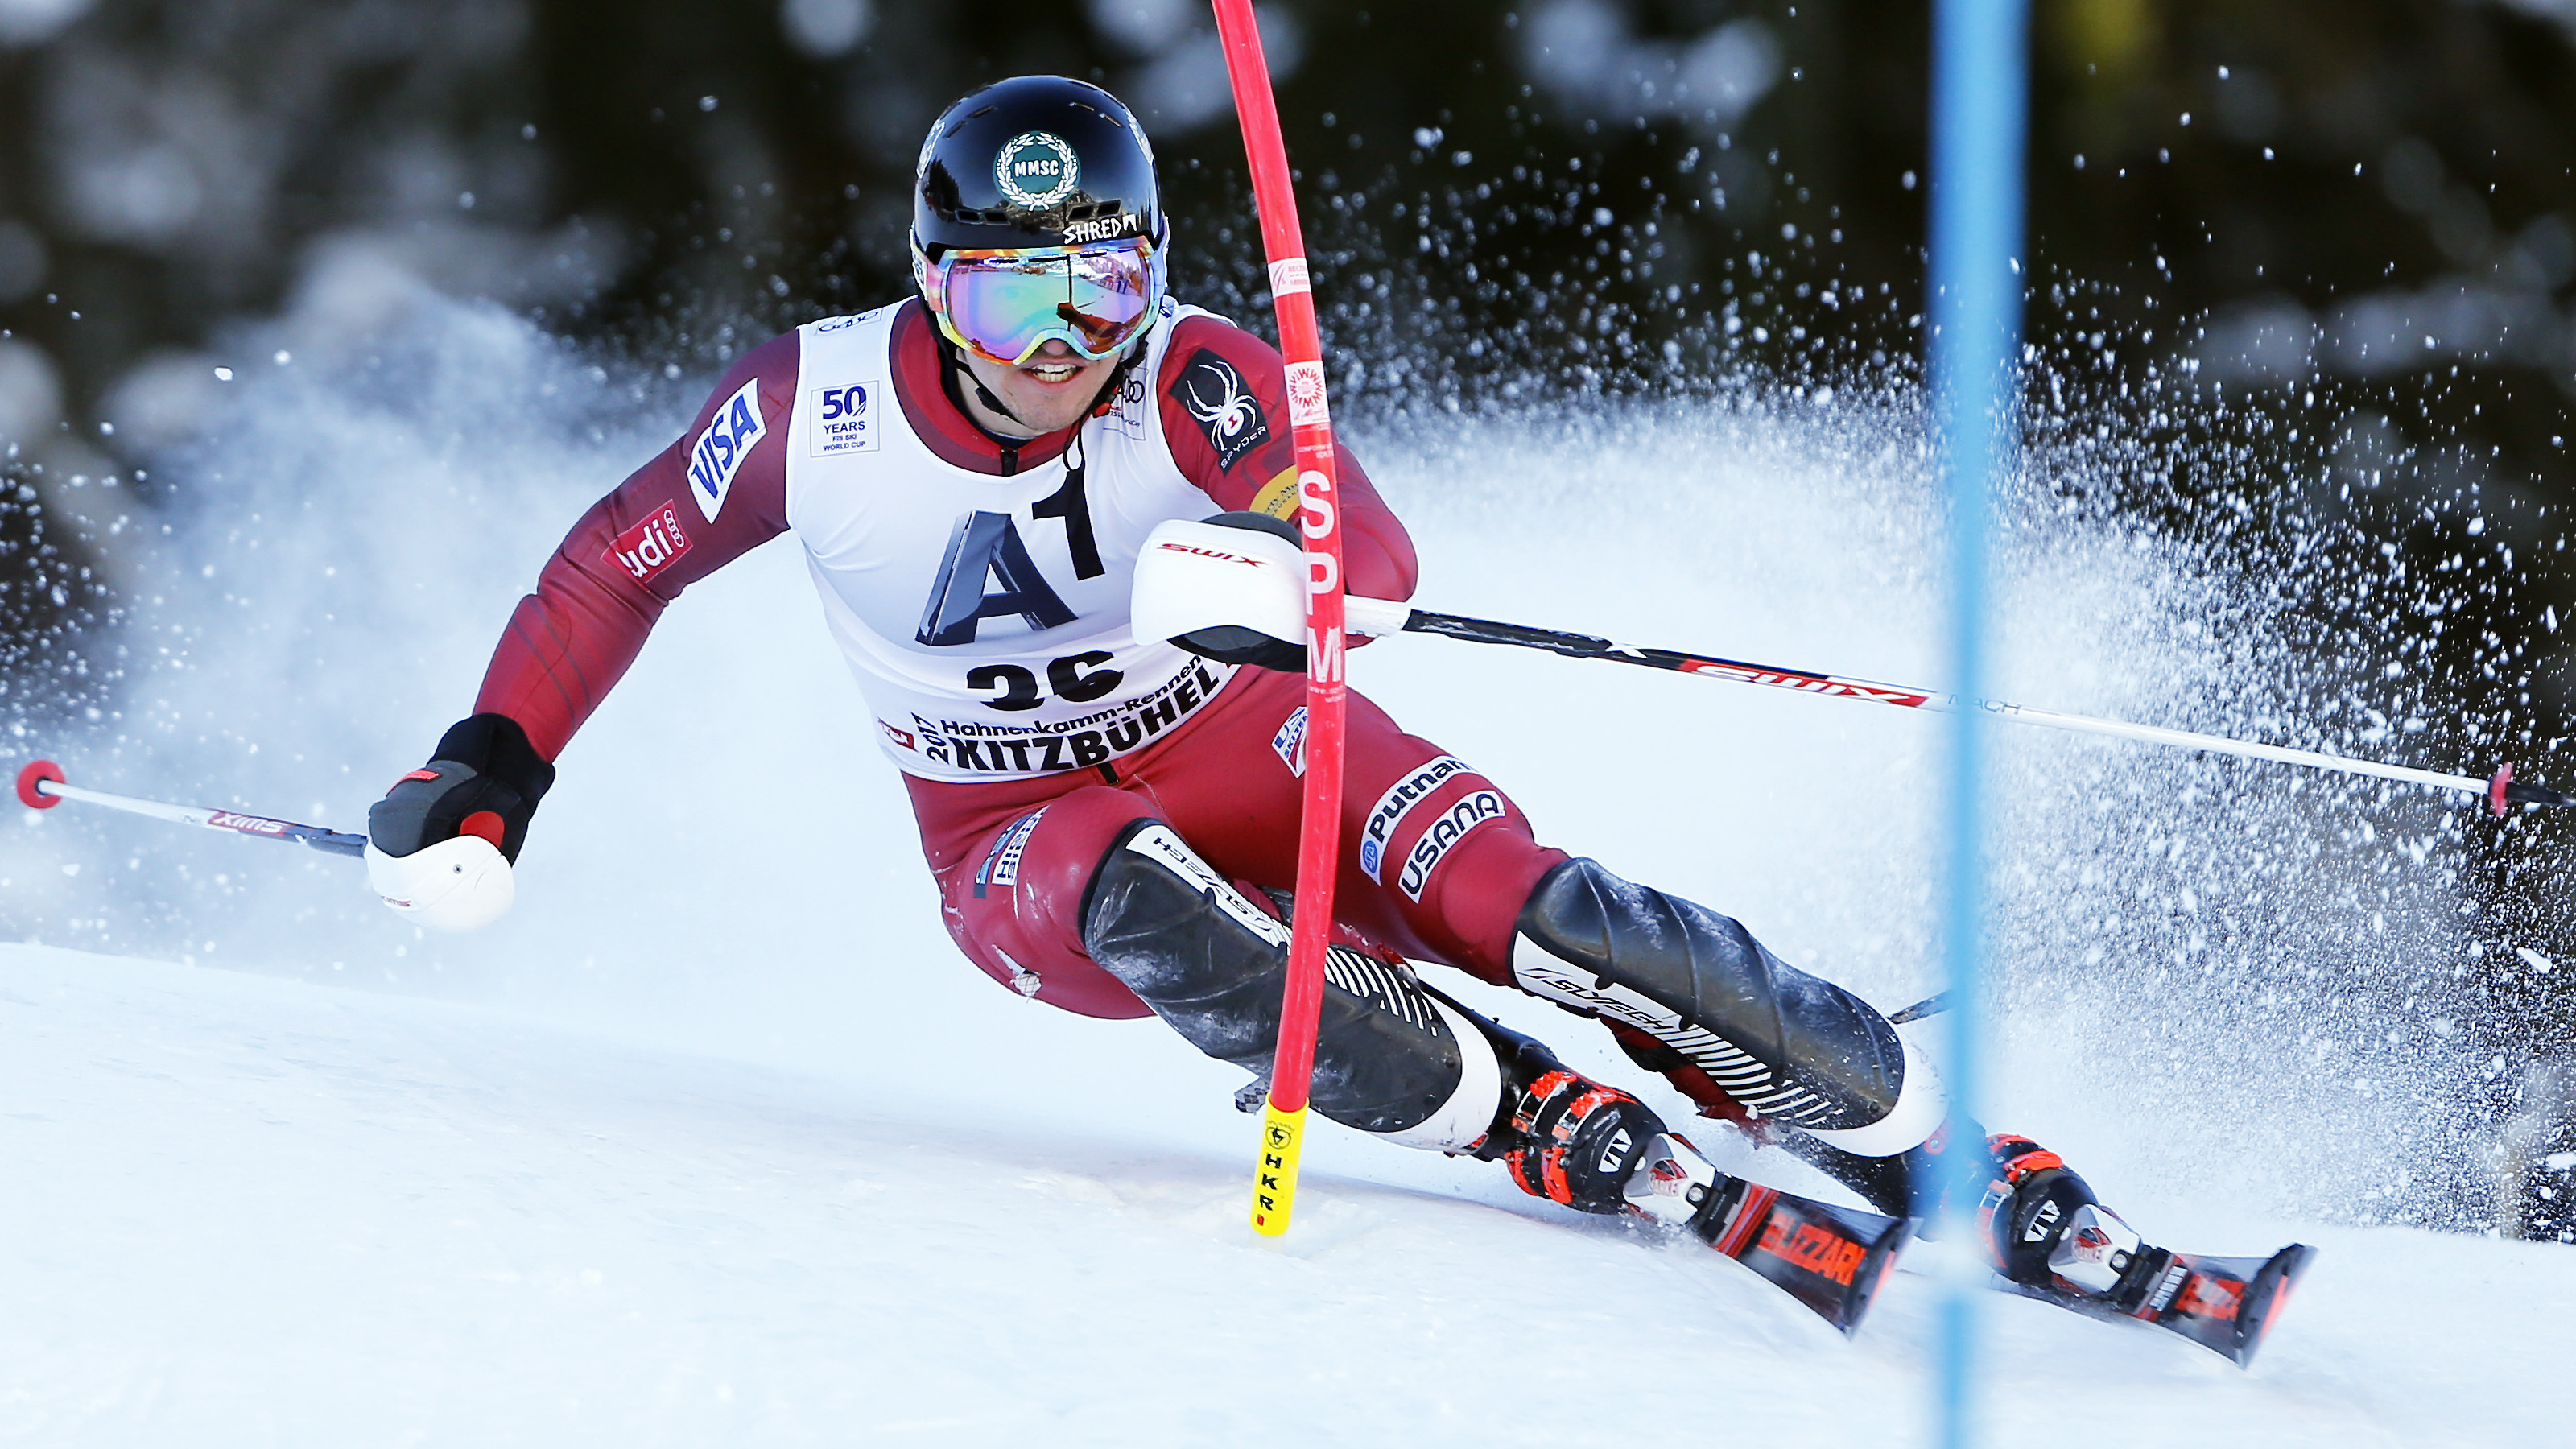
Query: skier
1110, 819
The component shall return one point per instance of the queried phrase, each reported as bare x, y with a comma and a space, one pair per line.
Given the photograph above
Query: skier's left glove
440, 844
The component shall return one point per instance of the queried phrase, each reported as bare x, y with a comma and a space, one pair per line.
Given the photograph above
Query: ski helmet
1034, 161
1036, 216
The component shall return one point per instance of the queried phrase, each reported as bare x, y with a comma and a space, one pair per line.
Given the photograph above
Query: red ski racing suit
1106, 816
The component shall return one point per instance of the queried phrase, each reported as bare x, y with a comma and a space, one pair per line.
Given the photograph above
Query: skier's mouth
1053, 372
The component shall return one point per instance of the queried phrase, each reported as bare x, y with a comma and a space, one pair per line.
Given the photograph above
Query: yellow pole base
1274, 1182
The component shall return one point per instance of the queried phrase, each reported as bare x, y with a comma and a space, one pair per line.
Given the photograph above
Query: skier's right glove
1233, 588
1230, 588
440, 844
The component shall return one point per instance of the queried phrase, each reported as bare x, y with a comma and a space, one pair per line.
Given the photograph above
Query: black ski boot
2048, 1231
1594, 1148
2054, 1242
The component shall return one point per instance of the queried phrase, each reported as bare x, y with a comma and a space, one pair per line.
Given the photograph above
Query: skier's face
1047, 393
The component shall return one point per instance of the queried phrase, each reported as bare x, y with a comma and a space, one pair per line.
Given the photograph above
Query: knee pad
1391, 1058
1781, 1042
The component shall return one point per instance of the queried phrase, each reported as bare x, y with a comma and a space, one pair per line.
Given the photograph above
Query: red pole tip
29, 795
2495, 789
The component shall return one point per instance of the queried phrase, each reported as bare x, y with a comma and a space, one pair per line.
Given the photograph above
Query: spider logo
1231, 410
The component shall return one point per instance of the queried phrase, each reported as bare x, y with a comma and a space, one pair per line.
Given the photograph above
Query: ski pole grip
31, 782
1488, 631
1375, 616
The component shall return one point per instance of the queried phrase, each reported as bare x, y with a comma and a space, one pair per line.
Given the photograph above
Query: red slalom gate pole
1283, 1122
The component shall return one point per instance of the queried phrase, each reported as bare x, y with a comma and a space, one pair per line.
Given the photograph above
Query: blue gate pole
1980, 102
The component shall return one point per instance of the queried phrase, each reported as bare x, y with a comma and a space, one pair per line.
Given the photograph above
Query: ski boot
2053, 1241
2046, 1230
1594, 1148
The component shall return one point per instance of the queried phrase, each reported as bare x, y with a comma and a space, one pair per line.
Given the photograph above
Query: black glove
484, 779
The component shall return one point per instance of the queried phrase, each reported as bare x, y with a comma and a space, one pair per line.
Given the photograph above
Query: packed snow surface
243, 1210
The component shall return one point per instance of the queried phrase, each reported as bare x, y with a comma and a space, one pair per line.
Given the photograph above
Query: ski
1832, 1259
2225, 1305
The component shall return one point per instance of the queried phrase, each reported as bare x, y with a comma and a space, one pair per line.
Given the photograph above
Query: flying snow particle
823, 29
33, 22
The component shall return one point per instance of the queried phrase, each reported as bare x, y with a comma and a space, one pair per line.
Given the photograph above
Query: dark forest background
2346, 232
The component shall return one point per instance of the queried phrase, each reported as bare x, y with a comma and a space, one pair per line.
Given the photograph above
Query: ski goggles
1004, 305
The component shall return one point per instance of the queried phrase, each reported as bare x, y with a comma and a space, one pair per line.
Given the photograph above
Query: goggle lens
1005, 305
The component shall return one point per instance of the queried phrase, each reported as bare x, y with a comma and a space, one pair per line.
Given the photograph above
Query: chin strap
952, 366
952, 360
1107, 398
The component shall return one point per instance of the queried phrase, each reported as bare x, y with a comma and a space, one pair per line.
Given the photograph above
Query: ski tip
2265, 1296
1869, 1274
29, 795
1883, 1255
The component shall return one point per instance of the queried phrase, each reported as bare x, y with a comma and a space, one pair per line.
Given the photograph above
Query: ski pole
1283, 1121
41, 787
1373, 616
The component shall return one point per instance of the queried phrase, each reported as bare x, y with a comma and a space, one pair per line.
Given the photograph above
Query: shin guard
1390, 1057
1782, 1043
